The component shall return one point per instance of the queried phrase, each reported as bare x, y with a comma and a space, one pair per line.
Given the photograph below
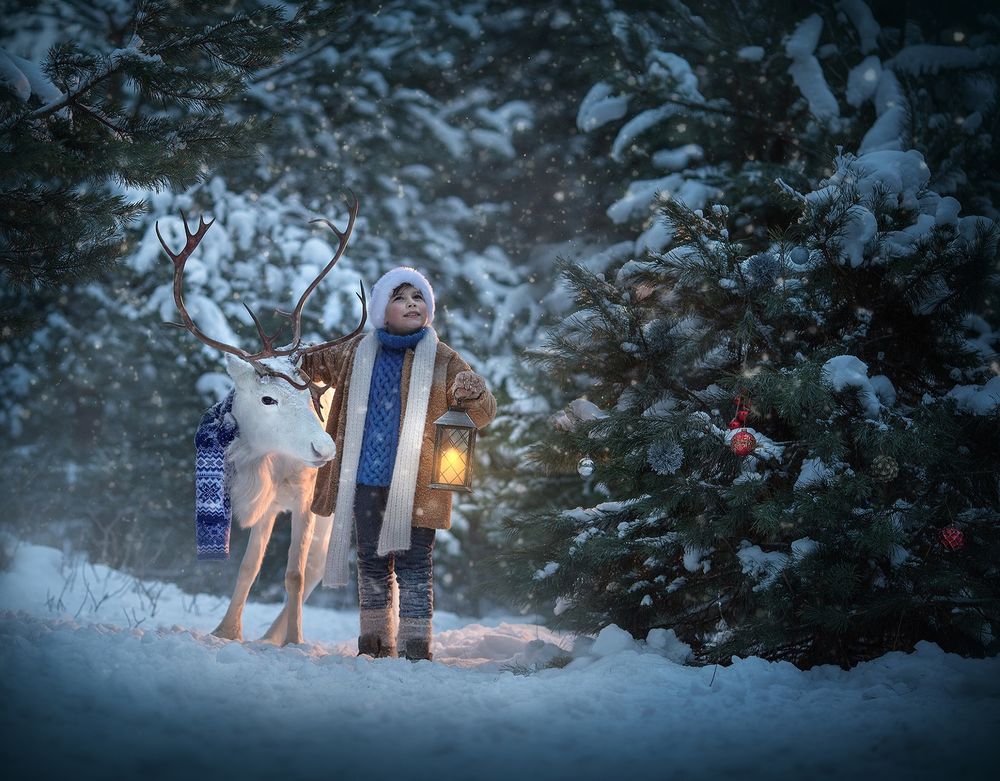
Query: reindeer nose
326, 454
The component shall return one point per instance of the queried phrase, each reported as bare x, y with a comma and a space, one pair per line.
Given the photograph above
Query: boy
391, 385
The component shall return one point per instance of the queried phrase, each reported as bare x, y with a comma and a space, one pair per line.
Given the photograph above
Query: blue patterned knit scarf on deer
213, 511
381, 437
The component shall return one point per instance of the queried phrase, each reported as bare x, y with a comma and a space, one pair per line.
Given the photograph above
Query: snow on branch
805, 69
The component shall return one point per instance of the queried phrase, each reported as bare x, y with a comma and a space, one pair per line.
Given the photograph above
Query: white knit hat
389, 281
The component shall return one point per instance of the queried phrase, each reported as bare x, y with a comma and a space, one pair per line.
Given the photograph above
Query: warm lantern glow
454, 449
453, 466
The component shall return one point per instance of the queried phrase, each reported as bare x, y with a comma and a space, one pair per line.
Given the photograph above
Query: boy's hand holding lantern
467, 386
455, 440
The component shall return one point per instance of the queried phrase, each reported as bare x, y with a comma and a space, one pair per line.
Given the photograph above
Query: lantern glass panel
454, 456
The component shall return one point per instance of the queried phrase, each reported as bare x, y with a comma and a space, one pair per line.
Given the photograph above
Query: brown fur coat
431, 506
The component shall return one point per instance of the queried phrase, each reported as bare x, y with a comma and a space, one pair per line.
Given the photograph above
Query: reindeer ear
238, 368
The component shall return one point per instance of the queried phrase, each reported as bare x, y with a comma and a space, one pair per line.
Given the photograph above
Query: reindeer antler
179, 259
295, 316
342, 238
268, 350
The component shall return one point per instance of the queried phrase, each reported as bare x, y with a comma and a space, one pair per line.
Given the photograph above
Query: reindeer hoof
228, 633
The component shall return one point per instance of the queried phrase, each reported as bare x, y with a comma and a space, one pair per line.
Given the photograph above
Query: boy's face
406, 311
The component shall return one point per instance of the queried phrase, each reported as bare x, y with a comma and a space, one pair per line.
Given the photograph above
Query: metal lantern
454, 449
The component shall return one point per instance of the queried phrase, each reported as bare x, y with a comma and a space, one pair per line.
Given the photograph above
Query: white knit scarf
395, 535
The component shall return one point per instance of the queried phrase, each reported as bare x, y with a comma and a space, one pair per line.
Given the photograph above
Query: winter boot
372, 645
415, 638
418, 649
375, 639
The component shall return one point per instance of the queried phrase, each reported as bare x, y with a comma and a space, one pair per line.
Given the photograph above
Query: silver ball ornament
585, 467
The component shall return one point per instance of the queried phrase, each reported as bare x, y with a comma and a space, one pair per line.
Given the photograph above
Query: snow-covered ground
107, 677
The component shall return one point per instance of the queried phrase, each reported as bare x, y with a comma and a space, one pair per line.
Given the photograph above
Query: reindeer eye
268, 400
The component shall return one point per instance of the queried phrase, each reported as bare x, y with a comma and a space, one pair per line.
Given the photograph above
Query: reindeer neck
279, 467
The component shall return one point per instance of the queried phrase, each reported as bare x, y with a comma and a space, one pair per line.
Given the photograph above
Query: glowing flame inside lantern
453, 466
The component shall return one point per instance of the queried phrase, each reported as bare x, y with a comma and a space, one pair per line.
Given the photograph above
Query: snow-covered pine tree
88, 395
871, 523
698, 101
673, 545
127, 95
864, 518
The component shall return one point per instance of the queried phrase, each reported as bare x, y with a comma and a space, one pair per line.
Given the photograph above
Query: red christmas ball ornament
743, 443
734, 424
952, 538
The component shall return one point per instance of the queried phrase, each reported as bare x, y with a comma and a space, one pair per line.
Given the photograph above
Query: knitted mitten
376, 635
414, 638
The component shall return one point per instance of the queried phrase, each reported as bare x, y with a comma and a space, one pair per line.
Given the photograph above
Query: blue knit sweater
381, 437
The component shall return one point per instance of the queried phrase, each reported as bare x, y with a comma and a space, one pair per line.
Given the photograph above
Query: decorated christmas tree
785, 413
797, 445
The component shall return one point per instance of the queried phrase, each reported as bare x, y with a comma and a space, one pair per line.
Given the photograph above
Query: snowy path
93, 698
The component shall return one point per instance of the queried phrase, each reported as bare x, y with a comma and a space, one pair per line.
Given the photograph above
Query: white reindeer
272, 463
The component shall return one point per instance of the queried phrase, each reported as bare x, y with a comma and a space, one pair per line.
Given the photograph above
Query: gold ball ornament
884, 468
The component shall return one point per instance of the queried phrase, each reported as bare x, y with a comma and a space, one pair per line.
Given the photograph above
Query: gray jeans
414, 568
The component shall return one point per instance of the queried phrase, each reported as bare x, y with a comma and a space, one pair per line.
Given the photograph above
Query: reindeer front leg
302, 534
231, 626
315, 565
